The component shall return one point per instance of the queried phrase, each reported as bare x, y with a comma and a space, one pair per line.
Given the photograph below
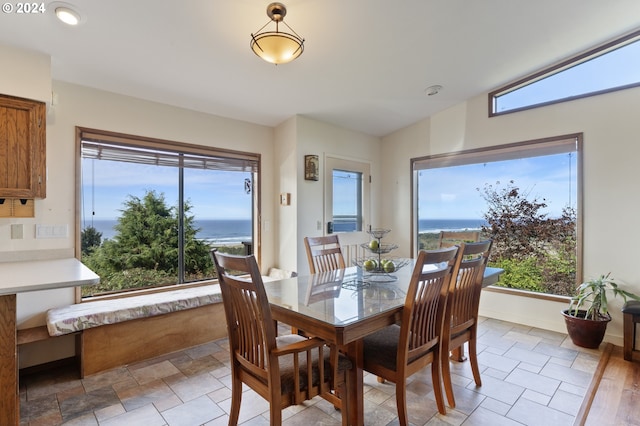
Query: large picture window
525, 196
152, 210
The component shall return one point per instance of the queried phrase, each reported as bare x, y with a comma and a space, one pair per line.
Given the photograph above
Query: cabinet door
22, 148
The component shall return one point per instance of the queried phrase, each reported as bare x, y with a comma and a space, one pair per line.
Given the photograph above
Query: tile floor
529, 377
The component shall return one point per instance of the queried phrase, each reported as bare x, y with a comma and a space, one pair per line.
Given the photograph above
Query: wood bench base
115, 345
34, 334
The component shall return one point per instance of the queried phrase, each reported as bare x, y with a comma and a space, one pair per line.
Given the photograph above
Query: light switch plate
17, 231
285, 199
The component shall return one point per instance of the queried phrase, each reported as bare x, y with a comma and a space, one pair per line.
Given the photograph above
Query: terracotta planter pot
586, 333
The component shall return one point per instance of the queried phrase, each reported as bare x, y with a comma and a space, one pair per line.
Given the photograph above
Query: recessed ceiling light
68, 16
433, 90
67, 13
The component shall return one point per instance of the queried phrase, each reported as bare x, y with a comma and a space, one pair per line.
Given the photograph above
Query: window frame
558, 68
505, 152
83, 133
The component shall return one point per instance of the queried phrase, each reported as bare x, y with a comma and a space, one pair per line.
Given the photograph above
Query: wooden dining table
342, 307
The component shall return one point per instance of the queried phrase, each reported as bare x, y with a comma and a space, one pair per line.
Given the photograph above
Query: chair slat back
425, 302
324, 253
454, 238
252, 333
464, 297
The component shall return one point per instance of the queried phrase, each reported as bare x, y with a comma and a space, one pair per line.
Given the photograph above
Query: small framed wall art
311, 167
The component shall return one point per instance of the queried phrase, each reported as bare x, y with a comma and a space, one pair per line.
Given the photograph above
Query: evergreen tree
144, 252
90, 239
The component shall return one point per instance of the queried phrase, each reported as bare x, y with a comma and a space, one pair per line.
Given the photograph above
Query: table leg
354, 403
9, 399
457, 354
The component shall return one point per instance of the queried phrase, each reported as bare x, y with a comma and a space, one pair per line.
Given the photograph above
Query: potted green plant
588, 314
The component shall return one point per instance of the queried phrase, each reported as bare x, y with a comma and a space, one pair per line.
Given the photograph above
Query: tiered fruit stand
377, 267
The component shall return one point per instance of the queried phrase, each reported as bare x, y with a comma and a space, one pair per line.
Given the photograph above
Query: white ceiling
365, 66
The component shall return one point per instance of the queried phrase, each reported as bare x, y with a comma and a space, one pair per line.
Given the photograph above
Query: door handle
329, 227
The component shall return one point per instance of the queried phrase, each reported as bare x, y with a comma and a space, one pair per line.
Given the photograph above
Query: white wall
397, 151
25, 74
286, 173
611, 150
314, 137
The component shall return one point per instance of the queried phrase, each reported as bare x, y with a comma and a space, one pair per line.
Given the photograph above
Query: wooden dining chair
398, 351
276, 367
454, 238
462, 311
324, 253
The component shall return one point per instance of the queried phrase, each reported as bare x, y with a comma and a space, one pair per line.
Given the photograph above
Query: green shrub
133, 278
521, 274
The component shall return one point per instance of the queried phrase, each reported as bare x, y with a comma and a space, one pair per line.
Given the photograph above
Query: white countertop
23, 276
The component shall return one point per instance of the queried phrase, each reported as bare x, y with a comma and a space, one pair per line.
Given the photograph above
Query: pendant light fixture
277, 47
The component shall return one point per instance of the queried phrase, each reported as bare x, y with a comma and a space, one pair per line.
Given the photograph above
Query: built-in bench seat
115, 332
121, 331
81, 316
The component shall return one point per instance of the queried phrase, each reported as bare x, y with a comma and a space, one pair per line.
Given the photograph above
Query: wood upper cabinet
22, 148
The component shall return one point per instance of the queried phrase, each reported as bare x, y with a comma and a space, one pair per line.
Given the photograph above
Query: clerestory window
612, 66
151, 210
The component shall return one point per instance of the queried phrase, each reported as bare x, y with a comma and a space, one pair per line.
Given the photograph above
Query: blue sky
616, 68
213, 195
443, 193
451, 192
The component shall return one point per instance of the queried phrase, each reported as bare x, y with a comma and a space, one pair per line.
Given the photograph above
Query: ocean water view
235, 231
433, 226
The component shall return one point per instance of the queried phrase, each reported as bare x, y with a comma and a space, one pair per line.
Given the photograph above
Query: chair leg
446, 377
236, 399
437, 385
629, 326
401, 401
473, 359
275, 415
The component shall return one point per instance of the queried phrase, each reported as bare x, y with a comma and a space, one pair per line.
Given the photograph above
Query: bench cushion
73, 318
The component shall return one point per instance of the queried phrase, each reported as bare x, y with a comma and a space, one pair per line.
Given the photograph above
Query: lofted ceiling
365, 66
